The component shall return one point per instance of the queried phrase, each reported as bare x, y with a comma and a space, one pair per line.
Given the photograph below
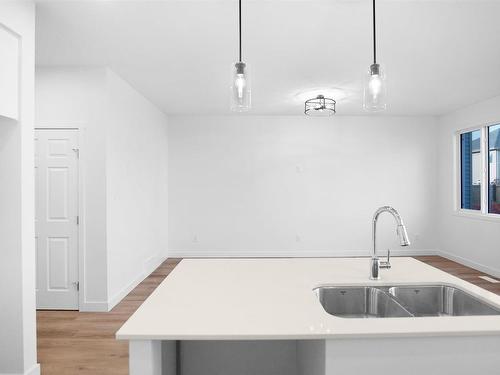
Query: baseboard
35, 370
153, 263
150, 265
470, 263
176, 253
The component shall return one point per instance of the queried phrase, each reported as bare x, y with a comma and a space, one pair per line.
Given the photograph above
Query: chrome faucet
376, 263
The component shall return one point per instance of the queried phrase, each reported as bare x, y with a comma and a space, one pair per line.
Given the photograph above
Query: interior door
56, 218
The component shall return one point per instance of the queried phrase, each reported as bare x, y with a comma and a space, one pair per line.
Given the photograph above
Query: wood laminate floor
465, 273
71, 342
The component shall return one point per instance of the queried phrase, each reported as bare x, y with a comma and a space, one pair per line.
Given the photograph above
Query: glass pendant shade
240, 87
375, 91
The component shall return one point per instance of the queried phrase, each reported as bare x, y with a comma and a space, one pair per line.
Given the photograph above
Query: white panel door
56, 219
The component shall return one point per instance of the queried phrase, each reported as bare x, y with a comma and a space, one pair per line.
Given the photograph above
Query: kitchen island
246, 316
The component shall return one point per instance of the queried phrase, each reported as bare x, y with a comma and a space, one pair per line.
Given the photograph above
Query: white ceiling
438, 55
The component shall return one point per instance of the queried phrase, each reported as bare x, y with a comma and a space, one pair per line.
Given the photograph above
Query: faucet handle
387, 263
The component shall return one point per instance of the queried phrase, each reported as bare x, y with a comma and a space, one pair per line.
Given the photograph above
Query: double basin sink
401, 301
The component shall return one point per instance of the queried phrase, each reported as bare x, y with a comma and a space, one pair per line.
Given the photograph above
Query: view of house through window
471, 176
494, 169
470, 160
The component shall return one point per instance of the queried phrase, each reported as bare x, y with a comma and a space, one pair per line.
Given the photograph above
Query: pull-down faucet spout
376, 264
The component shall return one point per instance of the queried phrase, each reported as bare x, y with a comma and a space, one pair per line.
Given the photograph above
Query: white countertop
251, 299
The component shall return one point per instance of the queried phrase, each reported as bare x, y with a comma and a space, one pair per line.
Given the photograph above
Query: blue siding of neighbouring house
494, 139
466, 168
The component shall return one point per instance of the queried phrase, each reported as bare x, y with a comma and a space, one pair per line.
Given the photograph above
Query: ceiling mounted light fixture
375, 91
320, 106
240, 79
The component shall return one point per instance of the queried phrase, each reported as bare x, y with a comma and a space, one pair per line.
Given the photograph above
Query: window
494, 169
470, 172
480, 170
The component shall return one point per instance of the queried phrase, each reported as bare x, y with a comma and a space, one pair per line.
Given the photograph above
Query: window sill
470, 214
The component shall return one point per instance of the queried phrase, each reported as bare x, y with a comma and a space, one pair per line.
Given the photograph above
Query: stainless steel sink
441, 300
359, 302
401, 301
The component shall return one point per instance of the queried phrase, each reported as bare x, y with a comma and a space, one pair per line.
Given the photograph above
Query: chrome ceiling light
320, 106
240, 80
375, 91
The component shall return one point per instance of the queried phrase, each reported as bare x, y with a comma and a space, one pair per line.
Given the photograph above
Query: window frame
483, 213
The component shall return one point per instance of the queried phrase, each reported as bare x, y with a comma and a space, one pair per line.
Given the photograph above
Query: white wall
265, 186
475, 242
17, 247
123, 143
74, 97
9, 73
136, 189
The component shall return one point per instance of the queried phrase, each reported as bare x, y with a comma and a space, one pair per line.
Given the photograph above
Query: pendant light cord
240, 25
374, 36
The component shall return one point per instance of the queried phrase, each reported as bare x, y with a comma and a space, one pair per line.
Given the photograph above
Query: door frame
80, 129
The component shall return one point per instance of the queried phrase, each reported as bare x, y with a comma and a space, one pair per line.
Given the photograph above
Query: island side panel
457, 355
145, 357
170, 358
262, 357
311, 357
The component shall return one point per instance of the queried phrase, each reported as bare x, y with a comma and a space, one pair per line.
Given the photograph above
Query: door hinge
77, 152
77, 285
78, 220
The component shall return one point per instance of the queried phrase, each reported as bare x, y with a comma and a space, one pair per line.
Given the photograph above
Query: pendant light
375, 91
240, 80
